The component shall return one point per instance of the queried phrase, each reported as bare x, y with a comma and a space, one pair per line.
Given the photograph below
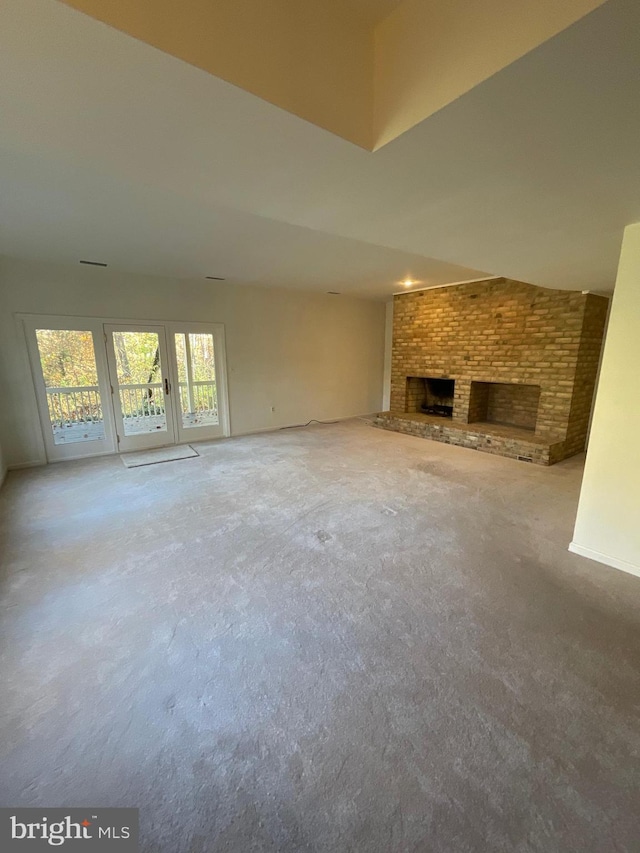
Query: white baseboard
294, 426
614, 562
34, 463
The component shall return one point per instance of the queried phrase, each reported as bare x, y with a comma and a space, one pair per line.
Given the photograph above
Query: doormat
153, 457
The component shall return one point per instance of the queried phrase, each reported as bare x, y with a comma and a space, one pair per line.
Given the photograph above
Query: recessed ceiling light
93, 263
333, 292
215, 278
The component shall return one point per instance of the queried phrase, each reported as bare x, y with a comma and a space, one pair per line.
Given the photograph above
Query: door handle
167, 387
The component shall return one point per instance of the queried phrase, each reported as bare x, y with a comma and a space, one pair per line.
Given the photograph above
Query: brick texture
507, 404
522, 357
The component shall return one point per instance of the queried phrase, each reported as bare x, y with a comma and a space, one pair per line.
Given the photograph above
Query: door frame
31, 322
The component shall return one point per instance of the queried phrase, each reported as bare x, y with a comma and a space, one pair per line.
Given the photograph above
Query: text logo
69, 829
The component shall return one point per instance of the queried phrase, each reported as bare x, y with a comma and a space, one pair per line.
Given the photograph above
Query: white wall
309, 355
608, 522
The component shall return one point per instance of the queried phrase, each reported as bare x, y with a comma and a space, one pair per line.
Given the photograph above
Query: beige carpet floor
335, 639
174, 453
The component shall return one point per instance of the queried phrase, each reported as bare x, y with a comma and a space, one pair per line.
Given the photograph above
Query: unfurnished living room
319, 456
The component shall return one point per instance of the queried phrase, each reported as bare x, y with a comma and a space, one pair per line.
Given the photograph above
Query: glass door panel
70, 377
141, 390
197, 384
71, 388
197, 380
139, 376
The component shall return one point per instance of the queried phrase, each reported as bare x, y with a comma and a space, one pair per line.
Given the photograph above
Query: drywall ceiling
62, 211
115, 150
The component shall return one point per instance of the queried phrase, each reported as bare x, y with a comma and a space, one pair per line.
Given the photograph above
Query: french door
105, 387
141, 387
199, 383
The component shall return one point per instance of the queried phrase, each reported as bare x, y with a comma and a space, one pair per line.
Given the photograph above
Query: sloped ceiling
372, 11
367, 71
114, 150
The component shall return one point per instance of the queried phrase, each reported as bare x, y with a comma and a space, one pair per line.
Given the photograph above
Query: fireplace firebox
506, 403
430, 395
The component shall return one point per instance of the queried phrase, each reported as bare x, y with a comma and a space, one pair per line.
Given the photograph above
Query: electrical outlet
273, 408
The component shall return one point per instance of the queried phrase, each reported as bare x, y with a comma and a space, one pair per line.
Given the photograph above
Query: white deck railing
142, 401
80, 404
198, 397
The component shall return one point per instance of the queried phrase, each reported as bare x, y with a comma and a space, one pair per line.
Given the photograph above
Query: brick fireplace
499, 365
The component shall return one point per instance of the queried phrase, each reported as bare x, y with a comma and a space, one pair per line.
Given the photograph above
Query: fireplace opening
504, 404
430, 395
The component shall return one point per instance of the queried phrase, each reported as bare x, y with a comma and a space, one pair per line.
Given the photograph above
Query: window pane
71, 381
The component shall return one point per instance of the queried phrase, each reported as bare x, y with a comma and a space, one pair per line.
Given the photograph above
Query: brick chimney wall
503, 331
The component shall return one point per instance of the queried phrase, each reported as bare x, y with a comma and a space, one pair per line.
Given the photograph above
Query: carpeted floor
333, 639
174, 453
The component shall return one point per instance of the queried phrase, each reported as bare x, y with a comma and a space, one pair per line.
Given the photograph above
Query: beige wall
3, 466
388, 350
608, 522
427, 54
309, 355
311, 58
3, 458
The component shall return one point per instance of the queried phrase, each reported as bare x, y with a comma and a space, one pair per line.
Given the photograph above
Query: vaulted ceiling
367, 70
113, 149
